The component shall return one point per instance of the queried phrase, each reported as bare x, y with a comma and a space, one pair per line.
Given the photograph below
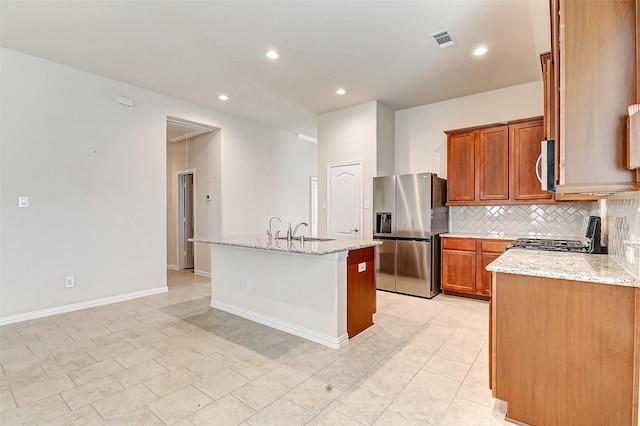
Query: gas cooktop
591, 245
575, 246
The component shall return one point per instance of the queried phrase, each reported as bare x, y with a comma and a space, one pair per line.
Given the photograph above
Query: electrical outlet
249, 287
70, 282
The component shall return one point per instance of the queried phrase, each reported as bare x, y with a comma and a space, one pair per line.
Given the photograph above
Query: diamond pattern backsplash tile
566, 220
623, 215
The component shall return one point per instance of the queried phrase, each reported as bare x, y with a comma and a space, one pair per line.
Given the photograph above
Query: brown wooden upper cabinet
461, 163
495, 164
593, 78
524, 146
549, 98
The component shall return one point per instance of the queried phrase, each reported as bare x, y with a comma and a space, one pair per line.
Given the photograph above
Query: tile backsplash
623, 215
536, 220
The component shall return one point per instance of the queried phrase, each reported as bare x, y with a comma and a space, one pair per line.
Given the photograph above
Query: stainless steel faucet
293, 234
269, 234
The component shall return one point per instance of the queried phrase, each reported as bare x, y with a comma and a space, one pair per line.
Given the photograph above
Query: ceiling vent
443, 38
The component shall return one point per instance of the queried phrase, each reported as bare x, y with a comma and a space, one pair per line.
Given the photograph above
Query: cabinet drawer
459, 244
494, 246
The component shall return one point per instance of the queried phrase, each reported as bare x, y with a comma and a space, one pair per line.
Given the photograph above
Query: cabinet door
492, 155
488, 251
461, 167
597, 42
361, 290
524, 140
483, 280
549, 93
458, 270
554, 80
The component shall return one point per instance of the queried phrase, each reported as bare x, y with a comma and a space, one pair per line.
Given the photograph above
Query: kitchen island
323, 291
565, 338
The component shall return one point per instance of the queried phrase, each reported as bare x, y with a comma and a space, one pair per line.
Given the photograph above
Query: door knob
354, 230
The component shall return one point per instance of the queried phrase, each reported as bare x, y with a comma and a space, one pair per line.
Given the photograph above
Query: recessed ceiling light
341, 91
223, 97
272, 54
480, 51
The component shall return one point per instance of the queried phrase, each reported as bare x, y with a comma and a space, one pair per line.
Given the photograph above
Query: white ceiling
196, 50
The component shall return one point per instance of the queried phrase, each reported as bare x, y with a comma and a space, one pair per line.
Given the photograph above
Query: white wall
385, 141
202, 154
265, 179
95, 173
421, 145
346, 135
176, 160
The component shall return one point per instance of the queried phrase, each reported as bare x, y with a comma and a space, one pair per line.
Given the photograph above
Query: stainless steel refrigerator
409, 216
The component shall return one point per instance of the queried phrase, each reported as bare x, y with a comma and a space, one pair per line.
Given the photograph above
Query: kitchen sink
312, 239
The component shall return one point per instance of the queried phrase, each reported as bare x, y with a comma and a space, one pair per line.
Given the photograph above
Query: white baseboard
172, 267
314, 336
202, 273
82, 305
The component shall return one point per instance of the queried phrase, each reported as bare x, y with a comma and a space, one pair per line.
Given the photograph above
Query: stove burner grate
575, 246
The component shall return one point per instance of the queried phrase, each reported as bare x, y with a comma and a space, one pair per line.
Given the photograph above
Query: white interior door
345, 201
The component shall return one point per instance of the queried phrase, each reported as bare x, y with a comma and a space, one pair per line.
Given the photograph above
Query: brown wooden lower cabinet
361, 290
565, 352
463, 265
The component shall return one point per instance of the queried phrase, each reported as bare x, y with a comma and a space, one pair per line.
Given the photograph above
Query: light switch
366, 204
629, 254
23, 201
362, 266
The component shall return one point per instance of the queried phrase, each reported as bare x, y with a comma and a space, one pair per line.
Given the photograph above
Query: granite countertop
487, 236
501, 236
308, 247
596, 268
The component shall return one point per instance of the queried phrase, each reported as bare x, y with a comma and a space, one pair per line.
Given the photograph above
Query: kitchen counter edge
596, 268
481, 236
506, 237
316, 248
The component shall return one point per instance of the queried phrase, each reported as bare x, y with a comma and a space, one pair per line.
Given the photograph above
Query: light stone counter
596, 268
500, 236
486, 236
307, 247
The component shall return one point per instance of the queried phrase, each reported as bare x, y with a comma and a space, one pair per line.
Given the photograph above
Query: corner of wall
623, 218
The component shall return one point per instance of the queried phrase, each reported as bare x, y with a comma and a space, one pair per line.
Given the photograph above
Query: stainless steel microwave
546, 166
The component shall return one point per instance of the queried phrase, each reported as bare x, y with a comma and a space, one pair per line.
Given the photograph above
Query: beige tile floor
170, 359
